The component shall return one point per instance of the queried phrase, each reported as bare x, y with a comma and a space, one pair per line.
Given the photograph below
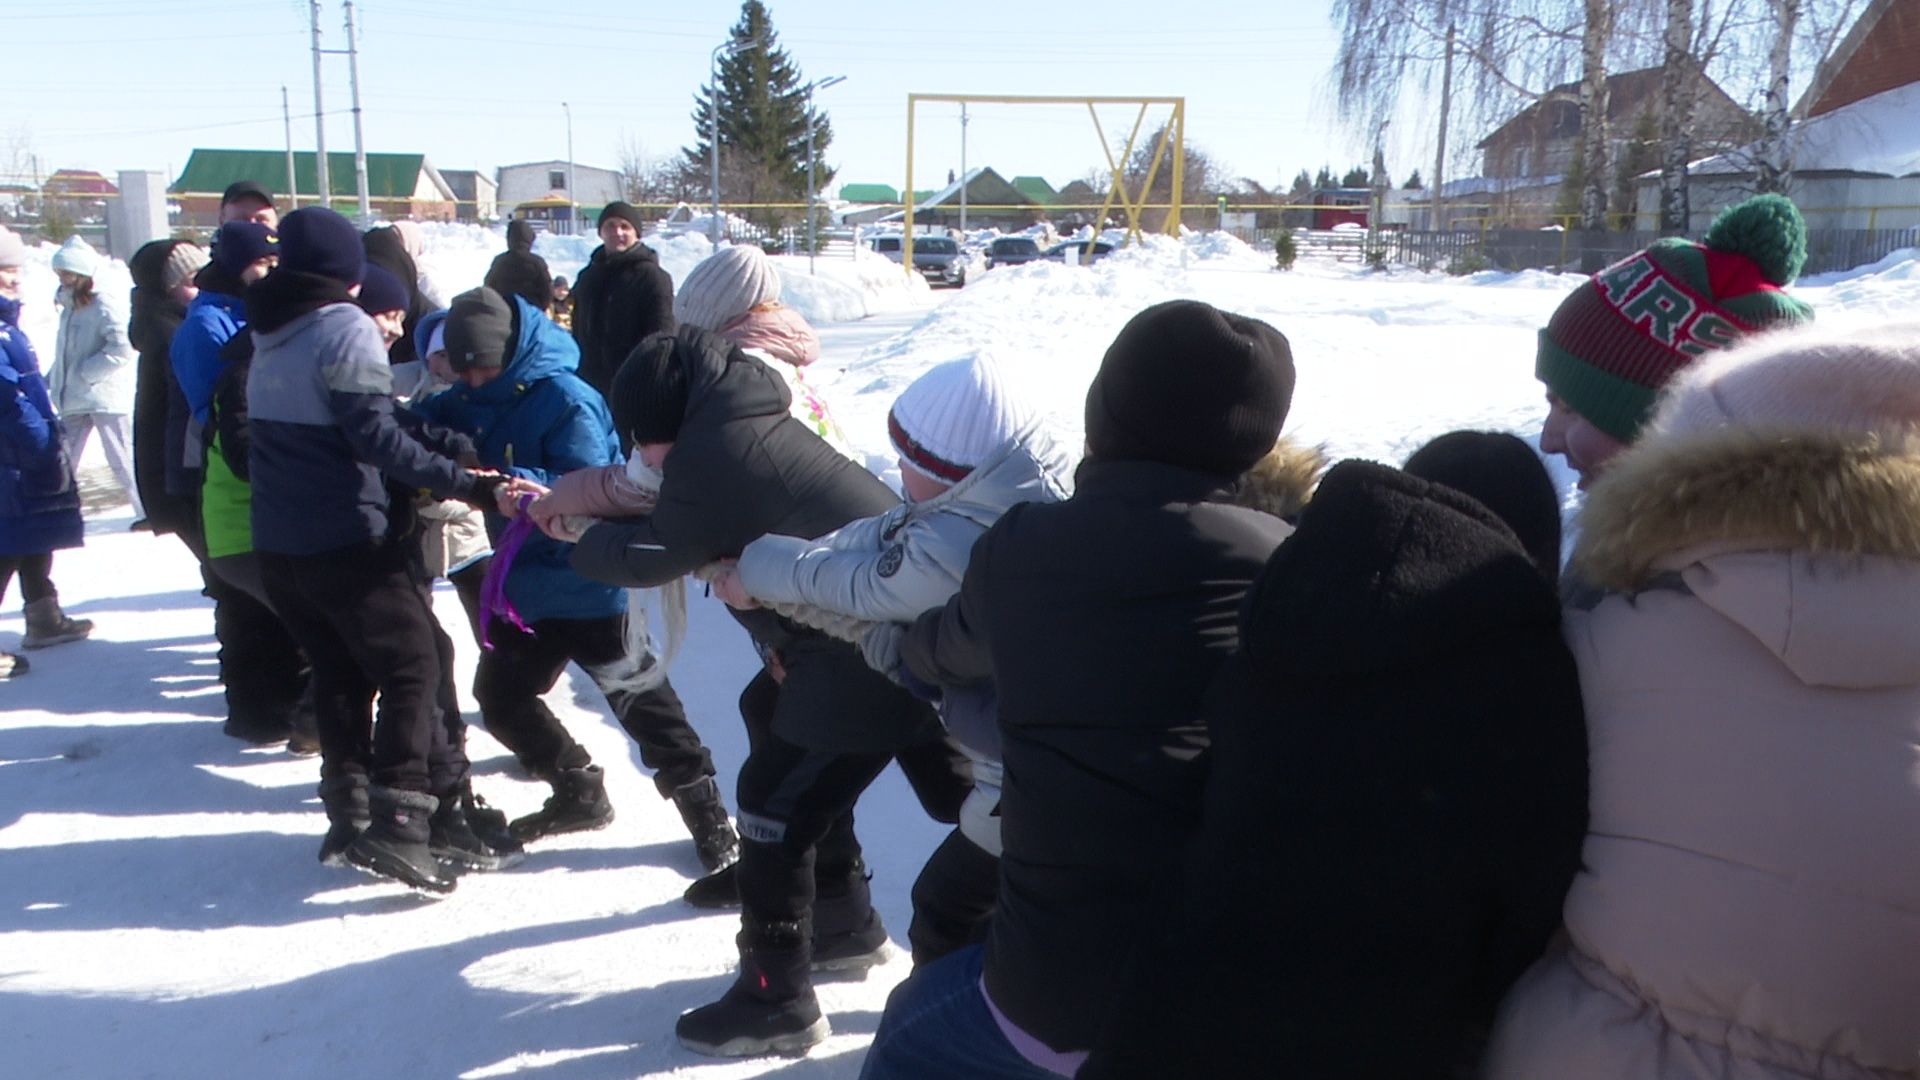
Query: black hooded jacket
1100, 620
1395, 803
742, 467
618, 300
156, 397
387, 249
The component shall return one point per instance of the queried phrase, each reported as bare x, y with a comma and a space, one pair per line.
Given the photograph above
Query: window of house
557, 179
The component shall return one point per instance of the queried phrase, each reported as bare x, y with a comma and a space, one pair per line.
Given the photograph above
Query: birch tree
1678, 79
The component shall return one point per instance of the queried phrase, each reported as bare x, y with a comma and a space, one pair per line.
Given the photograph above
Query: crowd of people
1256, 764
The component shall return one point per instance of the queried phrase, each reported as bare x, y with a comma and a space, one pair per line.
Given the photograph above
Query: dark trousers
937, 1027
260, 662
36, 575
362, 615
521, 667
953, 899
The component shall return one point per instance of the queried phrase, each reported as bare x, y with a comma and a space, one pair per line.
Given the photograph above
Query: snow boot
11, 665
847, 932
488, 824
48, 625
770, 1008
716, 891
395, 843
303, 730
453, 840
345, 799
705, 815
578, 803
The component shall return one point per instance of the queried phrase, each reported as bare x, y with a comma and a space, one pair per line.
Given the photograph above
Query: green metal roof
389, 176
1035, 188
869, 193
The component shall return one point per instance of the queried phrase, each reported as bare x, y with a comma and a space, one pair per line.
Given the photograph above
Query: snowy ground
161, 912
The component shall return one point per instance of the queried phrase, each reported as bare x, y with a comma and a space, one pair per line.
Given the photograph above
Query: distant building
991, 201
875, 194
400, 186
540, 181
1037, 189
79, 192
475, 194
1880, 53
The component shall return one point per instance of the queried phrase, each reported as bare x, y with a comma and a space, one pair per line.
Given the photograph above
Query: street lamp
573, 196
728, 49
813, 121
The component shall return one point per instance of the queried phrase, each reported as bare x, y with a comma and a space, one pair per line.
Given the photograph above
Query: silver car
938, 258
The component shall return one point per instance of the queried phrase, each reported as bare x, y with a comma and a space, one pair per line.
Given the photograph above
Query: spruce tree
763, 124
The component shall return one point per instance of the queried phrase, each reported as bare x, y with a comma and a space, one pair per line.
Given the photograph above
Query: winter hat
953, 417
412, 240
1817, 381
624, 211
240, 244
76, 256
12, 251
246, 189
316, 240
726, 285
436, 337
649, 398
1503, 474
1190, 385
1611, 345
480, 330
380, 291
520, 236
183, 262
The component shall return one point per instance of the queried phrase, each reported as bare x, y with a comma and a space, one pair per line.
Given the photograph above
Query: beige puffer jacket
1750, 660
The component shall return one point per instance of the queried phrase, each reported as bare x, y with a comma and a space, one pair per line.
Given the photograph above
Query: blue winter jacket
538, 419
39, 501
212, 320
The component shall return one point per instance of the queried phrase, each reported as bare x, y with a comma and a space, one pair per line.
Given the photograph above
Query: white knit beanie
76, 256
725, 286
184, 261
12, 251
1811, 379
954, 417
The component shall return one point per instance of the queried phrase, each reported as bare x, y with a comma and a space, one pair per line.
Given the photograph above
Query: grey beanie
725, 286
12, 251
480, 330
184, 261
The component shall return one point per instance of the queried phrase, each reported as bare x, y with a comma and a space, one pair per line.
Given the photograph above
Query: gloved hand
485, 496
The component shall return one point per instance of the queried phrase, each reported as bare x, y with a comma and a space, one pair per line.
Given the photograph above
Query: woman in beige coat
1749, 654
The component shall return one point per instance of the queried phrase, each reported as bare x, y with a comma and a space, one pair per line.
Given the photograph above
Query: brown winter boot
48, 625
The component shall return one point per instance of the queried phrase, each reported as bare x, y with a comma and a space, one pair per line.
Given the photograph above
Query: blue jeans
937, 1027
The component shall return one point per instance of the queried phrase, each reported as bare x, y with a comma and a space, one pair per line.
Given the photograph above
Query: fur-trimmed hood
1281, 483
1810, 541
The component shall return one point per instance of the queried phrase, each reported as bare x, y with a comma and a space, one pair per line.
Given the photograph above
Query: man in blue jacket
533, 417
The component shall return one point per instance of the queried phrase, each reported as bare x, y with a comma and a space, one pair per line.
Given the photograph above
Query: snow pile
841, 289
1880, 292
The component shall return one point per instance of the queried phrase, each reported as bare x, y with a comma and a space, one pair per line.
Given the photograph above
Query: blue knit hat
240, 244
381, 291
315, 240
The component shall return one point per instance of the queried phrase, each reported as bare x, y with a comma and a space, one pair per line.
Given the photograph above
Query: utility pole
359, 141
963, 171
813, 121
319, 116
573, 193
1439, 215
293, 182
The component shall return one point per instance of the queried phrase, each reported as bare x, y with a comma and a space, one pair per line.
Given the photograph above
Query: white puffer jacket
93, 362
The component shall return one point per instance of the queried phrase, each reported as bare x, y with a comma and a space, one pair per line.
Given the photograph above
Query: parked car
1012, 251
1079, 251
938, 258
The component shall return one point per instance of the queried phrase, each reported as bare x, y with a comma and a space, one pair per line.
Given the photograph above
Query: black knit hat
480, 330
625, 212
1190, 385
1503, 474
380, 291
649, 398
316, 240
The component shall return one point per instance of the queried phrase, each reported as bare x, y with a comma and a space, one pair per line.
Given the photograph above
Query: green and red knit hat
1615, 342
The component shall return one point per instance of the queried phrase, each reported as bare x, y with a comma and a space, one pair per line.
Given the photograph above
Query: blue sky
111, 84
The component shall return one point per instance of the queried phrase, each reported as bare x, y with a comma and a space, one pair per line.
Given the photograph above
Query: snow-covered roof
1878, 136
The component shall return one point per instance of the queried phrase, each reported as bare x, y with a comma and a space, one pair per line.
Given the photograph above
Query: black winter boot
716, 891
578, 803
455, 842
395, 843
770, 1008
488, 824
847, 932
345, 799
706, 817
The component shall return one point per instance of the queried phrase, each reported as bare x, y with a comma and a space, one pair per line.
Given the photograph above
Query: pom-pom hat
1618, 339
954, 417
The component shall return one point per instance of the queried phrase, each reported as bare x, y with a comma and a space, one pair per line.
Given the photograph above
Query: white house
533, 180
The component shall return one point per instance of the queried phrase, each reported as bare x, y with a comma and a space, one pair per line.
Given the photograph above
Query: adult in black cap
621, 296
1100, 622
248, 200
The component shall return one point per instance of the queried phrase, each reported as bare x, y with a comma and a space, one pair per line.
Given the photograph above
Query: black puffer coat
1395, 804
1101, 621
387, 249
155, 316
618, 300
742, 467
